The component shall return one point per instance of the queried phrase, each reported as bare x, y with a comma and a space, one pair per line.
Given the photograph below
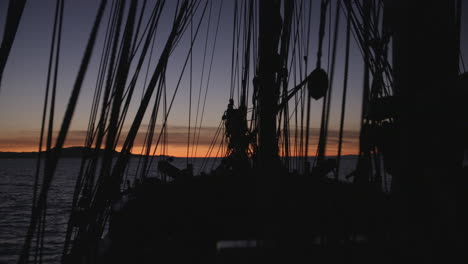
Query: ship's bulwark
189, 221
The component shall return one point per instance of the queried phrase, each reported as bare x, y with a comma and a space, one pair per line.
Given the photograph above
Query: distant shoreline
77, 152
71, 152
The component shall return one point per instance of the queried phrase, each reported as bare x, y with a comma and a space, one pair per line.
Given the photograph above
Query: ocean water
16, 192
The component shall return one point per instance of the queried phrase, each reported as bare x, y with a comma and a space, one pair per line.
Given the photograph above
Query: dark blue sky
22, 93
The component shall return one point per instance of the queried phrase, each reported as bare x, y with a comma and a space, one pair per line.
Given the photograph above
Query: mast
425, 59
270, 24
268, 92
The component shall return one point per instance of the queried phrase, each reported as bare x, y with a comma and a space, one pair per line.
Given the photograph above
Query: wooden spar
425, 60
270, 24
269, 33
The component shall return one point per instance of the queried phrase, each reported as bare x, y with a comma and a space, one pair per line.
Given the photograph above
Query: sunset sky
24, 79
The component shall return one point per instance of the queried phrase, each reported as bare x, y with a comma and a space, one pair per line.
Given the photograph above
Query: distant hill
71, 152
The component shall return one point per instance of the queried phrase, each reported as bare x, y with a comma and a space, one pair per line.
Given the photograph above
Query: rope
343, 102
15, 12
41, 223
52, 163
190, 87
103, 198
323, 10
84, 175
201, 80
177, 86
209, 75
327, 99
142, 10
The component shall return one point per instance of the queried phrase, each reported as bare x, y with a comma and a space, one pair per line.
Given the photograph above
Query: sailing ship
266, 201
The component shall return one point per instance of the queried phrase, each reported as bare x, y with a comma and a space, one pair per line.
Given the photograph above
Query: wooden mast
425, 60
268, 92
267, 165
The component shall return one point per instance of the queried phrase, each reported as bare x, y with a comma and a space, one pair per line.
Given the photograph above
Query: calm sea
16, 185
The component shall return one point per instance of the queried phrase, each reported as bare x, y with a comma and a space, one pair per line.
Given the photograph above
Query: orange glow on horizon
178, 150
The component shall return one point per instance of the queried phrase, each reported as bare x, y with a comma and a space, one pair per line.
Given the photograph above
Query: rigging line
191, 9
158, 7
165, 151
152, 126
201, 80
14, 14
458, 29
130, 89
54, 82
308, 29
119, 87
91, 168
151, 24
377, 57
101, 77
250, 60
57, 26
148, 65
364, 151
44, 114
158, 74
83, 174
133, 83
173, 97
246, 51
365, 93
285, 46
51, 165
324, 6
462, 61
212, 143
329, 36
320, 153
140, 158
296, 101
178, 84
238, 70
359, 40
142, 10
323, 10
148, 130
209, 75
304, 144
116, 28
231, 92
298, 72
161, 66
112, 72
343, 102
166, 134
45, 107
220, 146
190, 88
107, 99
328, 95
292, 67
